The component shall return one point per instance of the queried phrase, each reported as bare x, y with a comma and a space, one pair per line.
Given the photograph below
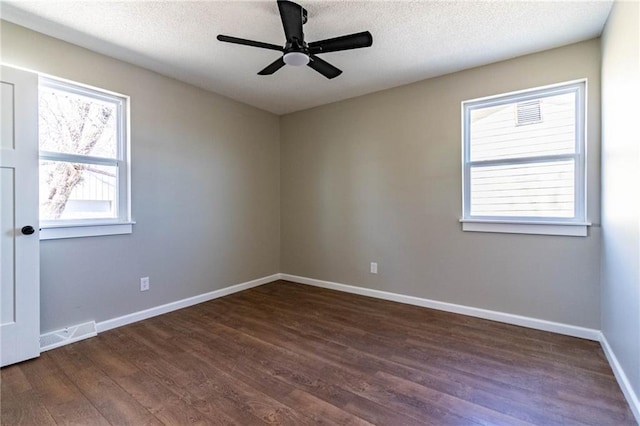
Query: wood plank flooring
285, 353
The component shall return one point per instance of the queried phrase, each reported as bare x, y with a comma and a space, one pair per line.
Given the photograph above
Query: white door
19, 246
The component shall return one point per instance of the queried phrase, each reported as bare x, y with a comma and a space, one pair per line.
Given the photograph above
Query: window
524, 162
84, 170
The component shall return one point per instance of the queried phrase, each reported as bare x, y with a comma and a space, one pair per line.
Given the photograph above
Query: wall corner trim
621, 377
179, 304
535, 323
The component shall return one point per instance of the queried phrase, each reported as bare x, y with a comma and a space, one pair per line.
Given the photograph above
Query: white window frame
122, 224
575, 226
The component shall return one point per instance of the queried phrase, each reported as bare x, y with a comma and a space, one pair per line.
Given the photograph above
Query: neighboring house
542, 127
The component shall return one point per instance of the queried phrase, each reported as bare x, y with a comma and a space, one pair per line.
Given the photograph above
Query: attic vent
528, 113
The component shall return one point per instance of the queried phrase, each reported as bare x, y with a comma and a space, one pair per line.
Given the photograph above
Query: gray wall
620, 195
378, 178
205, 185
375, 178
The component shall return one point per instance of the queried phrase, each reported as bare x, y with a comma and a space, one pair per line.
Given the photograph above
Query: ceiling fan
296, 51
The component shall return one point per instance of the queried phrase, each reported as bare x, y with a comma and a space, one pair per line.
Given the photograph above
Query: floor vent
67, 335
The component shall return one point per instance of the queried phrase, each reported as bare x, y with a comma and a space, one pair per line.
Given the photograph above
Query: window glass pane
77, 191
544, 126
75, 124
544, 189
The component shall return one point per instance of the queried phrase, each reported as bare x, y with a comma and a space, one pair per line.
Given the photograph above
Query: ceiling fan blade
292, 20
323, 67
252, 43
272, 67
346, 42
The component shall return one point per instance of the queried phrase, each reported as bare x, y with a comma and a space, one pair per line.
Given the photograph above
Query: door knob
28, 230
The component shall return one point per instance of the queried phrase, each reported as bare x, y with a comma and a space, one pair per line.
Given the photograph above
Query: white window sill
54, 232
578, 229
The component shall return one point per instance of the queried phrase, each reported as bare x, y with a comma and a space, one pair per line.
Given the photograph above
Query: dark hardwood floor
286, 353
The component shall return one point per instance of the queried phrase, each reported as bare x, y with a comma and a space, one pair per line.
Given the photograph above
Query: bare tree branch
72, 125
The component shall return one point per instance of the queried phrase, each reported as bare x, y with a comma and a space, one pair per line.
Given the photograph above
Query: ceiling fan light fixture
296, 59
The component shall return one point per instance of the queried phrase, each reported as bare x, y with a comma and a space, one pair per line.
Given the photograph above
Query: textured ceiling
412, 40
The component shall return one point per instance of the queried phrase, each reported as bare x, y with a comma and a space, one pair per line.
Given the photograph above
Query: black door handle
28, 230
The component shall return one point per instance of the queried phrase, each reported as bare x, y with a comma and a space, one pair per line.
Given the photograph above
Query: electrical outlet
374, 268
144, 283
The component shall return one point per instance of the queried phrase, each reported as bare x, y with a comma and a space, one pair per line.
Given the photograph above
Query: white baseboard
179, 304
538, 324
67, 335
623, 380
